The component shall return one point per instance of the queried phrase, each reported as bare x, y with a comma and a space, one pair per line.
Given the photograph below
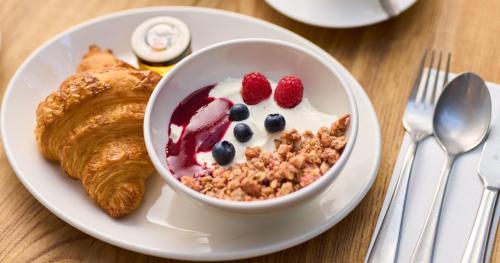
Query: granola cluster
298, 160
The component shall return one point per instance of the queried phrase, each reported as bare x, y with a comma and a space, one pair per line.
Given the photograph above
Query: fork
417, 121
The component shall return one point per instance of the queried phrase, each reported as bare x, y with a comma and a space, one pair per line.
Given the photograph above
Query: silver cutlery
417, 121
389, 7
461, 122
489, 172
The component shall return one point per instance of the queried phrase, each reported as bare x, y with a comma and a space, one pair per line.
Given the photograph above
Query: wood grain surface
382, 57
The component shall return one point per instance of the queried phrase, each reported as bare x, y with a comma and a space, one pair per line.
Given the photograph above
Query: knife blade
489, 164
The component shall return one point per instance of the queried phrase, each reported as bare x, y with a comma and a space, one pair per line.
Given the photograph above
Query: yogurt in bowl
302, 117
219, 69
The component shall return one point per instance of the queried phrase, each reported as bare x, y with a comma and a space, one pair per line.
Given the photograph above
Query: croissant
96, 58
92, 126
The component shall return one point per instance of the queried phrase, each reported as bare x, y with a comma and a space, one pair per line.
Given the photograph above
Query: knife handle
386, 239
478, 240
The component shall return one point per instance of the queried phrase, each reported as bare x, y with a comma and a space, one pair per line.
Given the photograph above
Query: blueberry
274, 123
242, 132
223, 152
238, 112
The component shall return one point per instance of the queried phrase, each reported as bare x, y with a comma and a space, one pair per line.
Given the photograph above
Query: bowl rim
322, 183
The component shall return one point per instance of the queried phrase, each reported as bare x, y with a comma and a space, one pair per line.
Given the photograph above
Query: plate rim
161, 253
404, 6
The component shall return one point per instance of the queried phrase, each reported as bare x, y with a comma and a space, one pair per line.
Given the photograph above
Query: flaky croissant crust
93, 126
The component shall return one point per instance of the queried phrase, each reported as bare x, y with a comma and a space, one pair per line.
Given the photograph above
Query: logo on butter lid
160, 39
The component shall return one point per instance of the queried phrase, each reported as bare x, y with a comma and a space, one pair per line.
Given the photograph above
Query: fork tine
447, 72
436, 91
418, 79
425, 96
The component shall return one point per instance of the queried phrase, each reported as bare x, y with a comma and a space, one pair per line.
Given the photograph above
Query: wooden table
382, 57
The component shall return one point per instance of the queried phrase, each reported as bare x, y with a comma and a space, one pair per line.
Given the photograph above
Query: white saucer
337, 13
167, 225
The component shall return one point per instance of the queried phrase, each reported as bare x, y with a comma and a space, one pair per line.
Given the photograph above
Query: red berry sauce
204, 121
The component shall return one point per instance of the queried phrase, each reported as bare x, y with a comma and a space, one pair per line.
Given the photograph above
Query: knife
489, 172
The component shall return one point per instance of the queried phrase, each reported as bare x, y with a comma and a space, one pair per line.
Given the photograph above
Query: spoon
461, 121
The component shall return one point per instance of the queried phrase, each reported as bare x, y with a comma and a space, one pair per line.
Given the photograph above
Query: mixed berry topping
239, 112
223, 152
242, 132
274, 123
255, 88
204, 121
289, 92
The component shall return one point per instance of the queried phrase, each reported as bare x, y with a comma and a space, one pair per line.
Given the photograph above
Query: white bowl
324, 88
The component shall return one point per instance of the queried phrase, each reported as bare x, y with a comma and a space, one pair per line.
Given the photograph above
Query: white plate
337, 13
167, 225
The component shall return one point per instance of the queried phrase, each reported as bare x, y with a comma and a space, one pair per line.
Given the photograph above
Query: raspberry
289, 92
255, 88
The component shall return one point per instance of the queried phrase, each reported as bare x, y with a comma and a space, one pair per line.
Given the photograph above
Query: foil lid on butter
160, 39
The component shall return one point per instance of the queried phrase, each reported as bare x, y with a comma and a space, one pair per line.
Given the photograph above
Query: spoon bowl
463, 113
